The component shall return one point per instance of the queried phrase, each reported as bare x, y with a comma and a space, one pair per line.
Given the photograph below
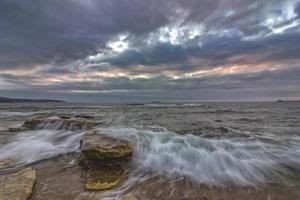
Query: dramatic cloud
134, 50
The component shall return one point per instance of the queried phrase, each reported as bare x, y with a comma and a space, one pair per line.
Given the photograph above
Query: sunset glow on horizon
144, 50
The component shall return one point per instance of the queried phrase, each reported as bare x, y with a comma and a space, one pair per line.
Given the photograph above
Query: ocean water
245, 145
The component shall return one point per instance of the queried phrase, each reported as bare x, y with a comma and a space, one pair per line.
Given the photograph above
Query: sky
150, 50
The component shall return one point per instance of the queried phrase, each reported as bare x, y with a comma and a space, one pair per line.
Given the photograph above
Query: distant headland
14, 100
280, 100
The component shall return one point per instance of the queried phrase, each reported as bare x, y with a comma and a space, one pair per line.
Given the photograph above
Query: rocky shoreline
103, 167
103, 158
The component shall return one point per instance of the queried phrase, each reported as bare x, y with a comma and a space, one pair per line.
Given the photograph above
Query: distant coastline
280, 100
14, 100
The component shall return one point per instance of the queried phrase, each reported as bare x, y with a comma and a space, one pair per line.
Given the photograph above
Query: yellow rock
17, 186
128, 197
6, 163
104, 177
102, 147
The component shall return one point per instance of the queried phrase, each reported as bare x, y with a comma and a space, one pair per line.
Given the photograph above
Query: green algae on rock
102, 147
104, 177
17, 186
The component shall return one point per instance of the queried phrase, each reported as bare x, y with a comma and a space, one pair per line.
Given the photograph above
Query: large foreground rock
104, 177
102, 147
17, 186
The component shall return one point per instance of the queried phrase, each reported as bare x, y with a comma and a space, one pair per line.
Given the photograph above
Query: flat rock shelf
17, 186
102, 147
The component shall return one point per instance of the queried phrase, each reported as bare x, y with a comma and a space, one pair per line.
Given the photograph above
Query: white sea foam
174, 105
221, 162
57, 123
8, 113
238, 161
31, 146
12, 113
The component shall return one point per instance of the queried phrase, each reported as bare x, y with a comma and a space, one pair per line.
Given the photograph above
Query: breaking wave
242, 161
12, 114
31, 146
58, 123
220, 162
162, 105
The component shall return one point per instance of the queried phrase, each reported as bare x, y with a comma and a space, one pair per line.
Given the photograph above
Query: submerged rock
59, 123
128, 197
32, 123
224, 129
102, 147
85, 116
218, 120
89, 196
104, 177
16, 129
17, 186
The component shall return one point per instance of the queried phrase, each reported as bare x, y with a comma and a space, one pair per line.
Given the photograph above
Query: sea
182, 151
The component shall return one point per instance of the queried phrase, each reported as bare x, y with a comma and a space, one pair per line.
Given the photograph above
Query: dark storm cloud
61, 46
297, 10
18, 79
43, 31
214, 51
158, 54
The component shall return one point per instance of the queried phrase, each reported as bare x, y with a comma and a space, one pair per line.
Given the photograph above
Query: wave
12, 114
159, 152
245, 119
162, 105
32, 146
216, 162
59, 123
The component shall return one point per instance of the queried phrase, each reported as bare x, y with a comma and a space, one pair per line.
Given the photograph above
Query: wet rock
88, 196
224, 129
104, 157
102, 147
16, 129
128, 197
59, 123
85, 116
65, 117
4, 137
6, 163
104, 177
17, 186
32, 123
